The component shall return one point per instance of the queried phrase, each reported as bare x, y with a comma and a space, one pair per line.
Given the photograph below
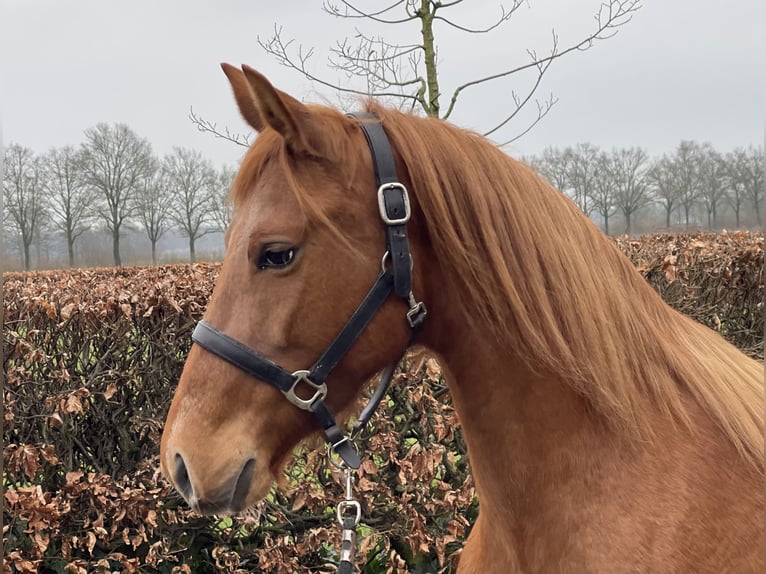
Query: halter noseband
395, 276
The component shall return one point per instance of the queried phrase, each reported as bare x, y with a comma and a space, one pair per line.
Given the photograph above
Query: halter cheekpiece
395, 276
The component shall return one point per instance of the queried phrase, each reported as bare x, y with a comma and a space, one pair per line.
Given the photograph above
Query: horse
606, 432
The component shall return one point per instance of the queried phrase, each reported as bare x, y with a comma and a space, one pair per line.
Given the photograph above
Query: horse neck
523, 429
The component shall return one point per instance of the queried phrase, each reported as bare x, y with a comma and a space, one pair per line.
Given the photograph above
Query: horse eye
276, 259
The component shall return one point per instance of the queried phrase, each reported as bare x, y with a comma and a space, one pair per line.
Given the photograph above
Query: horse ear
244, 96
285, 114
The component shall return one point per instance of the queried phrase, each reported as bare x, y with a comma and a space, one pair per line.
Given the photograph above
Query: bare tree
573, 171
154, 201
71, 198
553, 165
23, 197
116, 162
662, 180
603, 189
220, 207
695, 176
192, 181
409, 73
711, 182
629, 167
749, 168
686, 162
583, 165
735, 163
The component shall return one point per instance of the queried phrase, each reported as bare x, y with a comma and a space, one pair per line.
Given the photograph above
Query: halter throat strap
395, 276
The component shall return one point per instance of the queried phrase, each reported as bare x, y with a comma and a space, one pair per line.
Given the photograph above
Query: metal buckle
332, 452
382, 204
416, 314
354, 505
305, 404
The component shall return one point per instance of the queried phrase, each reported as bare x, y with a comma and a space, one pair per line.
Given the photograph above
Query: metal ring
386, 255
332, 455
345, 504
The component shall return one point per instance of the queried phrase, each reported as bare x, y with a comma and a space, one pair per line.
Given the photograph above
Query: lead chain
349, 513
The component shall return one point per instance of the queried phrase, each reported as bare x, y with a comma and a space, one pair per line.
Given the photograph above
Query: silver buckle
320, 391
415, 311
382, 204
345, 505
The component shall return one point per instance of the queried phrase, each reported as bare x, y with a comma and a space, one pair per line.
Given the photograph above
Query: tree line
693, 186
111, 181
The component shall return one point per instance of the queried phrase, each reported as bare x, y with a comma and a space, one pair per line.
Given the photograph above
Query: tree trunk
192, 253
116, 247
154, 252
606, 223
27, 256
627, 223
667, 218
429, 53
70, 247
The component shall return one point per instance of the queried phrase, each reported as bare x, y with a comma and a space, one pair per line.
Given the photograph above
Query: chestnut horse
606, 431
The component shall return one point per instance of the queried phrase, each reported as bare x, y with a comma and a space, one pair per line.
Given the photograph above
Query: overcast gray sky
682, 69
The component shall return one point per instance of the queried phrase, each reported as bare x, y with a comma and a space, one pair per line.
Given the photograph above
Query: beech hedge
91, 358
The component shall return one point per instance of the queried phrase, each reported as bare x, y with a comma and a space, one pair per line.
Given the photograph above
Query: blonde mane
543, 281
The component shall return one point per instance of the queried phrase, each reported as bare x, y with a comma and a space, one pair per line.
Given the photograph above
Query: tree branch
357, 64
352, 11
504, 17
279, 49
450, 4
344, 50
541, 110
204, 125
618, 13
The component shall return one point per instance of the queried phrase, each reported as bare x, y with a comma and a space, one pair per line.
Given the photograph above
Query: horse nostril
230, 496
242, 486
181, 478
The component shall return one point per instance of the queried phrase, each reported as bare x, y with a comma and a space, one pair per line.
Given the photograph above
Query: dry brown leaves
109, 293
717, 279
88, 511
89, 350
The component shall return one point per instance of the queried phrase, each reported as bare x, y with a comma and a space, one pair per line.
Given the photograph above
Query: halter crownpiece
395, 276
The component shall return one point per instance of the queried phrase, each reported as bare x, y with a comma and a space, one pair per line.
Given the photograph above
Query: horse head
305, 245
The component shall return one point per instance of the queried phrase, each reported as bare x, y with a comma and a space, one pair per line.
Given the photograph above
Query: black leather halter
395, 276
